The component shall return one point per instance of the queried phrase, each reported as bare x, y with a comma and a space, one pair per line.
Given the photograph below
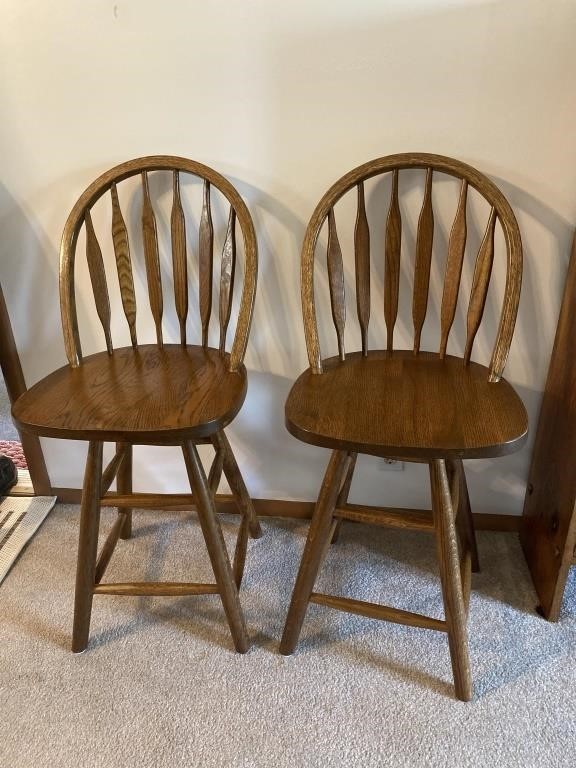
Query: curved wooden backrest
80, 215
499, 209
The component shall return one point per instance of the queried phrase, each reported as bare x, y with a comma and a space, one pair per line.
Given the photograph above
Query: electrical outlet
391, 465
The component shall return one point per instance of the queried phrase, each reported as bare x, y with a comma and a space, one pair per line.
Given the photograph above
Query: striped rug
20, 518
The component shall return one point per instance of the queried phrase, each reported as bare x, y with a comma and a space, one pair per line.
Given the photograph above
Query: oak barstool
152, 394
411, 405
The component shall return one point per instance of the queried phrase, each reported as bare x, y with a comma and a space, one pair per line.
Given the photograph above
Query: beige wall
283, 98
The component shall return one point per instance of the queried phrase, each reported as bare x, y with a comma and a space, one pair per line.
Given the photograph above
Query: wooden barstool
152, 394
406, 404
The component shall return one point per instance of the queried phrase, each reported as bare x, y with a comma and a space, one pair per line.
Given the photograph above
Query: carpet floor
160, 685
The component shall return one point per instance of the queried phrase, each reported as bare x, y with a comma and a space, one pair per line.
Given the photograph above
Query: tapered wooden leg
216, 547
344, 493
449, 561
467, 520
319, 535
236, 483
87, 547
124, 485
215, 474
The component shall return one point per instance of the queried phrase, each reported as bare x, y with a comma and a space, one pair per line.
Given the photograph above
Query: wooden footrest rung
375, 611
393, 517
156, 588
175, 502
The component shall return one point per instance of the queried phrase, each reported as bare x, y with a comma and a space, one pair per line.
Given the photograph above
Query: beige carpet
160, 685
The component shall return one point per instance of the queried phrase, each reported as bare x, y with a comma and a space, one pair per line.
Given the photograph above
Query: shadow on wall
29, 276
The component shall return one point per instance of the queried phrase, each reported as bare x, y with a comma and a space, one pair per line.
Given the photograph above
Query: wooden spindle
423, 260
480, 282
362, 258
454, 261
123, 264
228, 269
205, 255
336, 282
392, 263
150, 237
179, 261
98, 279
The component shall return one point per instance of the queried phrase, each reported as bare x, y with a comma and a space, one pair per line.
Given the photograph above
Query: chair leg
344, 493
87, 547
216, 546
319, 535
467, 520
452, 591
124, 485
236, 483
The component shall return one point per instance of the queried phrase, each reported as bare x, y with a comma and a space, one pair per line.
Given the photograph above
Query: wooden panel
424, 240
336, 282
228, 270
548, 531
392, 263
98, 279
480, 282
123, 264
362, 259
456, 247
205, 255
179, 262
152, 258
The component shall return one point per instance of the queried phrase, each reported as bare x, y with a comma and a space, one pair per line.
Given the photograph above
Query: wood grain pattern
227, 272
123, 264
413, 519
336, 282
179, 260
98, 279
362, 259
454, 261
148, 395
87, 547
150, 238
156, 588
392, 263
439, 164
480, 282
419, 407
113, 177
205, 256
548, 526
216, 547
375, 611
424, 240
319, 537
449, 560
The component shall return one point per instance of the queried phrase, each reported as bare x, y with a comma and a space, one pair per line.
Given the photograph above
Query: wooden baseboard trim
302, 510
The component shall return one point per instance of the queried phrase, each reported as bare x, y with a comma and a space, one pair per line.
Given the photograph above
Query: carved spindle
228, 269
205, 251
98, 279
454, 262
152, 259
392, 263
123, 264
336, 282
362, 257
423, 260
179, 263
480, 282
